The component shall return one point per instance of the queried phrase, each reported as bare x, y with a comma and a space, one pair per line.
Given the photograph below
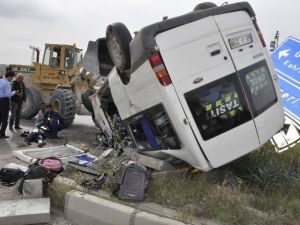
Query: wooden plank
84, 169
148, 161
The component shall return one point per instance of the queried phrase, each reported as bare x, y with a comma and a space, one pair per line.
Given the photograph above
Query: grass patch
261, 188
57, 193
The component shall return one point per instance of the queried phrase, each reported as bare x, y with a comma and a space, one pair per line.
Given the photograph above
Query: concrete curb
139, 213
87, 209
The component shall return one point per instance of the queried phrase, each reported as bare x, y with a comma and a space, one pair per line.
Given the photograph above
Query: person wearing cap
51, 122
16, 101
5, 94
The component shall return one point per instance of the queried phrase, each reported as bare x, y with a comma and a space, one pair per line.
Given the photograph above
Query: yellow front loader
49, 81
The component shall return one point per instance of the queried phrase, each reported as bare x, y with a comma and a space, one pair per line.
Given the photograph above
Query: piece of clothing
48, 116
5, 89
52, 127
19, 88
15, 109
4, 111
40, 116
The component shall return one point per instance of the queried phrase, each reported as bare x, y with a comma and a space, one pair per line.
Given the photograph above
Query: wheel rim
56, 105
115, 48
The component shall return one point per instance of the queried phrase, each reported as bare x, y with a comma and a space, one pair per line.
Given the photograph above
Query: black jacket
50, 116
16, 86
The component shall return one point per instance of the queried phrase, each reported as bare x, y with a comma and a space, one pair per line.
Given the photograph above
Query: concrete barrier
25, 211
85, 209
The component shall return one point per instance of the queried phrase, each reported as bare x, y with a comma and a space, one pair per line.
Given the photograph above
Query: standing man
5, 94
16, 102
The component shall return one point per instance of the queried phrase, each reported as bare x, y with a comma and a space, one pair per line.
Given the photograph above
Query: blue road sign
286, 60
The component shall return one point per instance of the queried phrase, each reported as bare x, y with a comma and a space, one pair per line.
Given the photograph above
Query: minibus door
255, 71
209, 90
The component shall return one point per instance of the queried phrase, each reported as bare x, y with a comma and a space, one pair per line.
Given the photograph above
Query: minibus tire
118, 38
204, 5
86, 101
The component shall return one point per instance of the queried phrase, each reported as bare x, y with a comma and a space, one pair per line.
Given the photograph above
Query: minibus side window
218, 106
259, 87
153, 130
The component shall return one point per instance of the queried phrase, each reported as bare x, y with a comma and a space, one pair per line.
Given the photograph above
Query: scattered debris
65, 153
46, 169
35, 135
84, 168
148, 161
10, 176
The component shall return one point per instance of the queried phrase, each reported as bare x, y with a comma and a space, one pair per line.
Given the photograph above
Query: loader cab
57, 61
61, 56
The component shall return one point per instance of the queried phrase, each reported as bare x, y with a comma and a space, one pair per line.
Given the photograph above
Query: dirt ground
80, 133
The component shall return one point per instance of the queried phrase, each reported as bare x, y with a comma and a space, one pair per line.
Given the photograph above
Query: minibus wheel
118, 38
204, 5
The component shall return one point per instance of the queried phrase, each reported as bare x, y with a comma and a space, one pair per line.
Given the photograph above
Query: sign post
286, 60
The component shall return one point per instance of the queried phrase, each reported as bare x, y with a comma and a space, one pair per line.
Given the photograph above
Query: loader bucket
97, 59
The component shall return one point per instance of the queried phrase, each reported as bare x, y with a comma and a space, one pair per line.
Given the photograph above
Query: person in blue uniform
5, 94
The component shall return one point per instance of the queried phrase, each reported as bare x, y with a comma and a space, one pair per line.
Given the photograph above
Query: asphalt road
82, 131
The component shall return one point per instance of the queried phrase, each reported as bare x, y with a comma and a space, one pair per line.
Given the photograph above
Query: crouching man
51, 123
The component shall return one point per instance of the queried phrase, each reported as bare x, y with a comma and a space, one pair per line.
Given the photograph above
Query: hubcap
56, 105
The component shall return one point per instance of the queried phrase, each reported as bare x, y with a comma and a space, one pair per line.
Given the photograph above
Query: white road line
289, 82
282, 73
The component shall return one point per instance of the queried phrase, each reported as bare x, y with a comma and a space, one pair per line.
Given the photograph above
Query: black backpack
132, 182
9, 176
36, 170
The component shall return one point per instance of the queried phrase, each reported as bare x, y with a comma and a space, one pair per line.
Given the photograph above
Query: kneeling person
52, 121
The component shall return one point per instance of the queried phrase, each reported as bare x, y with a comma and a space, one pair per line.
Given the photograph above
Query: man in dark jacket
16, 101
52, 121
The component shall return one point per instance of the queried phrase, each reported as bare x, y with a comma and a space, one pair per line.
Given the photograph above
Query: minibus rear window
259, 87
218, 106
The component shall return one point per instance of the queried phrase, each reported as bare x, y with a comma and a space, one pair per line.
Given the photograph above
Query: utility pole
274, 43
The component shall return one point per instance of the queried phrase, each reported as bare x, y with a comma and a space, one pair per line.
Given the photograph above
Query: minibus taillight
259, 32
159, 69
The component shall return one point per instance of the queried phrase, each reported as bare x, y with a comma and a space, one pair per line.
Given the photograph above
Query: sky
35, 22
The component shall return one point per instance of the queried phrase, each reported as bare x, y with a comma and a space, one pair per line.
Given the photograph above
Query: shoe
19, 128
11, 128
42, 144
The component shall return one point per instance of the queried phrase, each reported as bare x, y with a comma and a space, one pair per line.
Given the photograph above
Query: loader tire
86, 101
33, 102
204, 5
118, 38
63, 101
